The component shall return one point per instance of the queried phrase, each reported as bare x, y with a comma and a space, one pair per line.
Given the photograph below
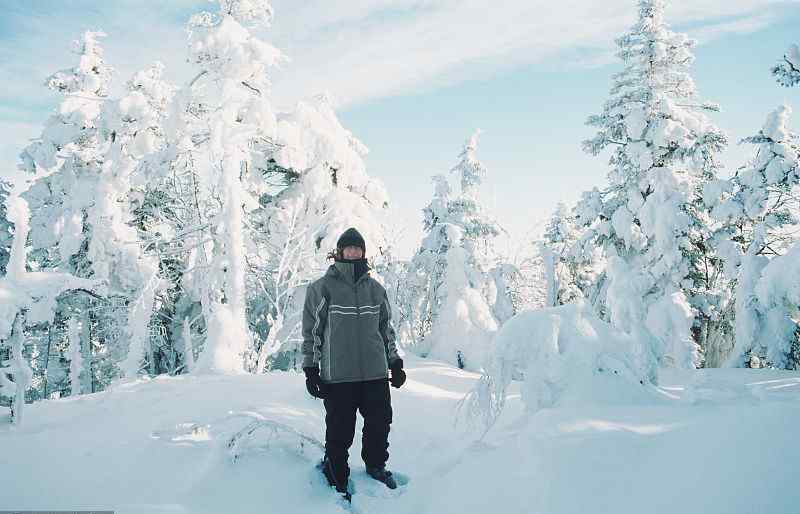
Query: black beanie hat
351, 237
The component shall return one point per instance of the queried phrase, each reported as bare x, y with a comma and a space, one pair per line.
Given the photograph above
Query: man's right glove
314, 382
398, 377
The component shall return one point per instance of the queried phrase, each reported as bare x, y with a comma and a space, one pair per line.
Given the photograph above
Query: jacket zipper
358, 329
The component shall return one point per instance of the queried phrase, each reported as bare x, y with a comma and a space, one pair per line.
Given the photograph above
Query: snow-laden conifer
27, 298
759, 208
67, 158
232, 83
653, 223
569, 259
787, 71
424, 290
452, 269
67, 162
6, 228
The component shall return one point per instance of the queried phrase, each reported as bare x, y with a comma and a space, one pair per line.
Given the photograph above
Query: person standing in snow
348, 350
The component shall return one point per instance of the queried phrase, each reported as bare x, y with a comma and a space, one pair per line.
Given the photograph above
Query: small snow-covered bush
564, 355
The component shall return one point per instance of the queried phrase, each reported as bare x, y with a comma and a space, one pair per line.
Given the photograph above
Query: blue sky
415, 77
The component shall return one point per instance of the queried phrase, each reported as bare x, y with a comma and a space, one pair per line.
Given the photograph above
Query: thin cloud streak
358, 51
360, 56
364, 50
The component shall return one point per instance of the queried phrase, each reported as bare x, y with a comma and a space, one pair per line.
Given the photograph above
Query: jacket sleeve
387, 331
315, 315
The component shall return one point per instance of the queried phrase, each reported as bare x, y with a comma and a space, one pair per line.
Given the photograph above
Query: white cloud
744, 25
379, 48
357, 50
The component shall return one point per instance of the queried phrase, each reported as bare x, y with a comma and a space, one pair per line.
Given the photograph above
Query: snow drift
564, 356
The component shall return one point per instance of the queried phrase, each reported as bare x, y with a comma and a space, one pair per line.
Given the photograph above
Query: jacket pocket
375, 363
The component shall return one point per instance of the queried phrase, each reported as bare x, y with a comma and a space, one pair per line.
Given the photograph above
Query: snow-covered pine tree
151, 180
232, 82
466, 210
424, 291
27, 299
759, 208
173, 212
67, 160
15, 373
6, 228
787, 71
131, 125
664, 277
480, 231
568, 262
332, 177
463, 322
462, 331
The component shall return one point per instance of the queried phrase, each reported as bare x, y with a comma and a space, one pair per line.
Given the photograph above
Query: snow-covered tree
172, 212
759, 209
26, 299
499, 290
233, 86
467, 211
331, 181
568, 259
452, 270
14, 367
787, 71
320, 182
146, 186
67, 161
778, 293
68, 158
558, 354
280, 276
527, 285
424, 291
479, 232
653, 223
132, 127
92, 164
6, 228
462, 332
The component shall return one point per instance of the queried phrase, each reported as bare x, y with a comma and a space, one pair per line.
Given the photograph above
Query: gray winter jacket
347, 329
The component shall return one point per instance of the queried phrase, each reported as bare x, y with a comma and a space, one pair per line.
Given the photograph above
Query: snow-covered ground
717, 441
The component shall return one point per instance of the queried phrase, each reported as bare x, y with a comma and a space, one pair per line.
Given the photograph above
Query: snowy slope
720, 441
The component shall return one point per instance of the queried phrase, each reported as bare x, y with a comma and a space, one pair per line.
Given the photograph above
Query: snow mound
564, 356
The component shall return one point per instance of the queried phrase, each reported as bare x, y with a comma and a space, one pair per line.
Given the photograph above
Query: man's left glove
314, 382
398, 377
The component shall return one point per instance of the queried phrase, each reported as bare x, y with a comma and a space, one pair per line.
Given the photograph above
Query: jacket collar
345, 271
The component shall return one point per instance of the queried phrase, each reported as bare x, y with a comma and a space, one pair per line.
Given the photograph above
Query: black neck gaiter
360, 266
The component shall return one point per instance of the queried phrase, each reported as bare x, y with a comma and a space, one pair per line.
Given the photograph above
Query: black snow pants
373, 400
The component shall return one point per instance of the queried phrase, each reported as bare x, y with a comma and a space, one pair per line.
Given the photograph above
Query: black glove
314, 382
398, 377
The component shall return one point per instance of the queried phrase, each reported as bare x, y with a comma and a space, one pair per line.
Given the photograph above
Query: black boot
382, 474
335, 480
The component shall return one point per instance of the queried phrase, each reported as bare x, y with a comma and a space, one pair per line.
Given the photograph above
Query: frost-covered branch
787, 71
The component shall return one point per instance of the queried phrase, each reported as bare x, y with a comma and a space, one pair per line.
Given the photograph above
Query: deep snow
717, 441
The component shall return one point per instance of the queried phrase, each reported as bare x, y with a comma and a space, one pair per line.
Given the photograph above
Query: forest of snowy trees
668, 249
172, 229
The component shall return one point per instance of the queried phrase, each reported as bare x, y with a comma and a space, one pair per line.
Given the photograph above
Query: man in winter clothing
348, 350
